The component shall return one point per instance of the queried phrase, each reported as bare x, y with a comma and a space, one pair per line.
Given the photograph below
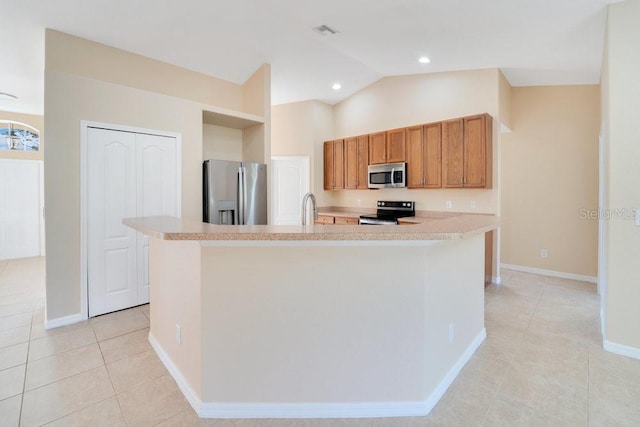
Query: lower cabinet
325, 219
337, 220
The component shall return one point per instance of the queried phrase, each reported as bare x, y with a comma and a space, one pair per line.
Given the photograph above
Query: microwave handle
393, 176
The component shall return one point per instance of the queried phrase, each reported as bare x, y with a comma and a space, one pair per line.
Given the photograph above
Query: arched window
18, 136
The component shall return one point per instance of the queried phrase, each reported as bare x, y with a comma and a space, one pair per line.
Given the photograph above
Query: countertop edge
171, 228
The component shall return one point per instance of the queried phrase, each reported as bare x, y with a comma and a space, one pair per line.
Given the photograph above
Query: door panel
289, 184
111, 247
363, 162
351, 163
474, 151
415, 157
156, 194
433, 155
20, 213
452, 153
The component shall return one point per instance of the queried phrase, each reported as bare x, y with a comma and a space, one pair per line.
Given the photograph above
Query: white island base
301, 329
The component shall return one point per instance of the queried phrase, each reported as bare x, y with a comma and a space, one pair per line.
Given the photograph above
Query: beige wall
300, 129
69, 54
550, 173
505, 103
256, 99
223, 143
554, 140
351, 326
400, 101
89, 81
31, 120
621, 91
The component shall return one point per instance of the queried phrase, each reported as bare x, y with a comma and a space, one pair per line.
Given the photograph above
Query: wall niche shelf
231, 119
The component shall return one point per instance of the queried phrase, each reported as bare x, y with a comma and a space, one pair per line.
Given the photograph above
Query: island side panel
175, 294
314, 324
454, 298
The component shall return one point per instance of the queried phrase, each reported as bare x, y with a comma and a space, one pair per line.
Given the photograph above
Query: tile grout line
588, 383
510, 363
26, 366
495, 396
109, 376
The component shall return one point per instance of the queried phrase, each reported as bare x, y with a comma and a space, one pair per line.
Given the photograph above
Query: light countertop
437, 226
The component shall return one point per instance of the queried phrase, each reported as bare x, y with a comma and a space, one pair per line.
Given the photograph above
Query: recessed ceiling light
8, 96
336, 86
424, 60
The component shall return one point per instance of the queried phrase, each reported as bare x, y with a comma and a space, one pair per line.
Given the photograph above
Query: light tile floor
541, 365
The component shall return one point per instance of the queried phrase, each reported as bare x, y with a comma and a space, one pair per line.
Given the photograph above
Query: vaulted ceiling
534, 42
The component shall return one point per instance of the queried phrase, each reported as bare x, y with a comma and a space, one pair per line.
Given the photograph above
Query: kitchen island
316, 321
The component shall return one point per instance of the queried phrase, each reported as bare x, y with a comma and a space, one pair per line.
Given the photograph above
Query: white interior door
20, 209
156, 193
289, 184
111, 247
129, 174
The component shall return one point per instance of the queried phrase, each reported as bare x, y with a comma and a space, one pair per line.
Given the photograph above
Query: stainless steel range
388, 213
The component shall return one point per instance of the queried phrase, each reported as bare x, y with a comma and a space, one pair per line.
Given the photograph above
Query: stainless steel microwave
388, 175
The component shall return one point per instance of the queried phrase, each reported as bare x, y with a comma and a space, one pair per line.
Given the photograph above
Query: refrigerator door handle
241, 195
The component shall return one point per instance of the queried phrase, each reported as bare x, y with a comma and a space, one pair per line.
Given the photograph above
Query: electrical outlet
544, 253
178, 334
452, 331
359, 202
449, 204
473, 204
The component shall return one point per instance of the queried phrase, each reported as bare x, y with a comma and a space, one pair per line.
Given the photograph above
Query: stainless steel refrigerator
234, 192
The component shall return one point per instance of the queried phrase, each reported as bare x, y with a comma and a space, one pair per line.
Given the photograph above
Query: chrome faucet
305, 201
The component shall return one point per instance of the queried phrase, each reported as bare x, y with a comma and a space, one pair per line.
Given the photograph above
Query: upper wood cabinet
466, 152
378, 148
387, 147
356, 162
424, 157
334, 165
396, 149
451, 154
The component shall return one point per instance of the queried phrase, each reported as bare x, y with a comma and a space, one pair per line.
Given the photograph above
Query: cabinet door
338, 166
363, 162
475, 151
328, 165
377, 148
452, 153
351, 163
396, 150
415, 157
324, 219
433, 155
340, 220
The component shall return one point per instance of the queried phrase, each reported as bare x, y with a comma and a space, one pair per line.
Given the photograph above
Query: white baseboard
444, 385
183, 385
316, 410
551, 273
63, 321
496, 280
621, 349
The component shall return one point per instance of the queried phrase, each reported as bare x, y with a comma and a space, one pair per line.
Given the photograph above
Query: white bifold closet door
129, 175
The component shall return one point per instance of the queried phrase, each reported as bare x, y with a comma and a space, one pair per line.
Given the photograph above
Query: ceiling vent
325, 30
